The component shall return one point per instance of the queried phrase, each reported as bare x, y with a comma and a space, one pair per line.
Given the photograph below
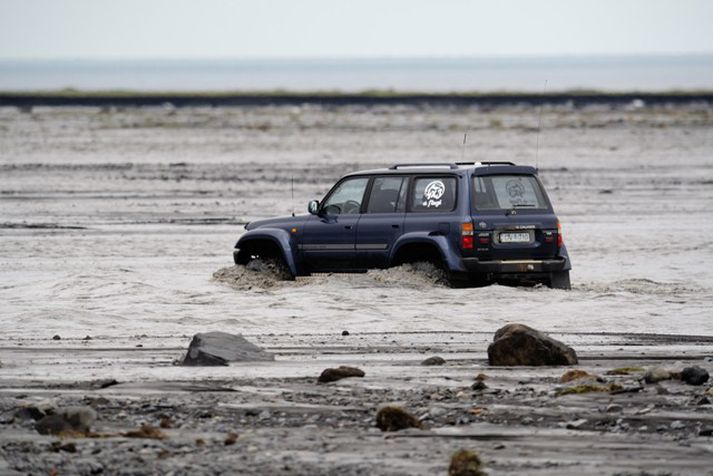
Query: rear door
328, 241
512, 218
382, 221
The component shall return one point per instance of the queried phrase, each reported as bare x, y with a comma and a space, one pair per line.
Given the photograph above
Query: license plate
514, 237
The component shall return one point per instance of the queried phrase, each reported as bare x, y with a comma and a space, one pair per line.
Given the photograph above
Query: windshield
507, 192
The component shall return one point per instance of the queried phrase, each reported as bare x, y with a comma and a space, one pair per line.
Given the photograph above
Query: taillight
466, 236
560, 239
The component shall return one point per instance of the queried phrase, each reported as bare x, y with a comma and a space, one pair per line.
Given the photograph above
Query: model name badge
524, 227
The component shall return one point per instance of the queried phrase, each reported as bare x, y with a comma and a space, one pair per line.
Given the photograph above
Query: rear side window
506, 192
387, 195
433, 194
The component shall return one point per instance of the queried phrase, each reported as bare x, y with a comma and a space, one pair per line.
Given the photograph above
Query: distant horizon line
521, 57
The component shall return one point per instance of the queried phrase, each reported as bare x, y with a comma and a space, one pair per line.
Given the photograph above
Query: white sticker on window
433, 193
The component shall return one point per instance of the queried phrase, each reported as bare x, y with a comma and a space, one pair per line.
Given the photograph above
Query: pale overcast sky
338, 28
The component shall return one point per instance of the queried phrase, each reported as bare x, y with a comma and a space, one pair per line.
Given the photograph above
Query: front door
328, 242
383, 221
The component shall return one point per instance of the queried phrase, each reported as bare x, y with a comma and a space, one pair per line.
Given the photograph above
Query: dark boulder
219, 348
394, 418
518, 344
694, 375
332, 375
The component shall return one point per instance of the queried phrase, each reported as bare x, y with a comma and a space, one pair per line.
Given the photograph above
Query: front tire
264, 259
559, 280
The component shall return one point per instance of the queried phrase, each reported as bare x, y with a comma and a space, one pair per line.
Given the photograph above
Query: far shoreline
128, 98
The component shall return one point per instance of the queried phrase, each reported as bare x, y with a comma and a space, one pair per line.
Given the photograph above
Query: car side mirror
313, 207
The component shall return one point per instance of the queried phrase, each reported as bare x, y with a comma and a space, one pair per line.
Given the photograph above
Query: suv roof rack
487, 163
450, 165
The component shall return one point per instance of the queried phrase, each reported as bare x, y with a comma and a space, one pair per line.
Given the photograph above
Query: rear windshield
507, 192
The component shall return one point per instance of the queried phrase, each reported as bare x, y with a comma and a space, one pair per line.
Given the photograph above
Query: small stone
703, 401
465, 463
345, 333
479, 385
657, 374
146, 431
106, 383
56, 337
87, 338
79, 419
706, 431
66, 447
98, 401
614, 408
231, 438
52, 425
694, 375
166, 422
332, 375
29, 413
709, 392
677, 425
574, 424
574, 374
435, 360
394, 418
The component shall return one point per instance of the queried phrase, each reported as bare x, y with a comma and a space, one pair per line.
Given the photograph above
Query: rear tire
458, 280
560, 280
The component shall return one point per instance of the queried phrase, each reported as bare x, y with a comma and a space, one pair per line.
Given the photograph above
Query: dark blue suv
481, 222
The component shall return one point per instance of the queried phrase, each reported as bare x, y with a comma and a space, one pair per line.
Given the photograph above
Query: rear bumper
515, 266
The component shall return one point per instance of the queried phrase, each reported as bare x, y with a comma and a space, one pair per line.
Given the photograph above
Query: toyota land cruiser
481, 222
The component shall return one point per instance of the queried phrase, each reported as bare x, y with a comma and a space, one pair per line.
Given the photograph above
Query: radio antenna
292, 186
465, 139
539, 127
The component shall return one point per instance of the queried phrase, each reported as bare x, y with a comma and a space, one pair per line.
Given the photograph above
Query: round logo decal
432, 194
434, 190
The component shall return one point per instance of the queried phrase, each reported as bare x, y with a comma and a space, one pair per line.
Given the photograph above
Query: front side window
507, 192
347, 197
387, 195
433, 194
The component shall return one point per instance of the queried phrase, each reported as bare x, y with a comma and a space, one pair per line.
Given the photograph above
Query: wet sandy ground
112, 224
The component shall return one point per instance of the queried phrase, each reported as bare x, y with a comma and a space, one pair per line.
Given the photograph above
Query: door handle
395, 226
347, 227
